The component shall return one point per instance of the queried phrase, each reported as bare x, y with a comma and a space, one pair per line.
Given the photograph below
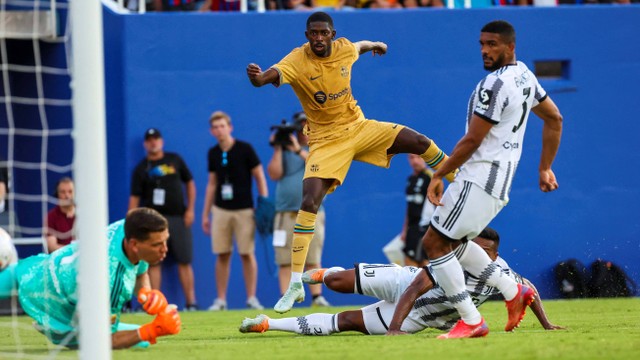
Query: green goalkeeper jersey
47, 285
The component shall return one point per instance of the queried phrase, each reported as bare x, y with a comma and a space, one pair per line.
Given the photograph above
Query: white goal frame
90, 172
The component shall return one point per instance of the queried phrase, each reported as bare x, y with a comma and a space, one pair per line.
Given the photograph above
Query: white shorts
467, 209
377, 318
384, 281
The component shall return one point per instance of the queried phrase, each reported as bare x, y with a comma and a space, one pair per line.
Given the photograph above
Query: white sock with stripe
448, 272
476, 261
313, 324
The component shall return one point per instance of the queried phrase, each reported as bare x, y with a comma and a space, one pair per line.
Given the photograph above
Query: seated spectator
380, 4
520, 2
60, 220
423, 3
220, 5
606, 1
173, 5
300, 5
327, 4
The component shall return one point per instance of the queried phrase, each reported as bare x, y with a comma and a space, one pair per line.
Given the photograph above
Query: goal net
52, 127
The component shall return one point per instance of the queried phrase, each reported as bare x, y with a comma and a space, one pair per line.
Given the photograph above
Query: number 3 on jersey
526, 92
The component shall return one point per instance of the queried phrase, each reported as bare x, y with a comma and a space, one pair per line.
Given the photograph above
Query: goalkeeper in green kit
47, 287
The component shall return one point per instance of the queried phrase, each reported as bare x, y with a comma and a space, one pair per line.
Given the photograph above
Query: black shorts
413, 243
180, 240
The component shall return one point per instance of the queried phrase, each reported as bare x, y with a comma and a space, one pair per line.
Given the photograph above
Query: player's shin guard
313, 324
450, 277
476, 261
302, 235
434, 157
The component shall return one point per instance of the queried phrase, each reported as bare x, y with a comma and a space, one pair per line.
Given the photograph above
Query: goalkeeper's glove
153, 301
167, 322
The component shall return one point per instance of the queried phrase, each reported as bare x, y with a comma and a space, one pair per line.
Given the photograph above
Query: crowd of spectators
308, 5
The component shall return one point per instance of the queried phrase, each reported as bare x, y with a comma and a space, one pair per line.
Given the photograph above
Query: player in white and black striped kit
488, 156
428, 307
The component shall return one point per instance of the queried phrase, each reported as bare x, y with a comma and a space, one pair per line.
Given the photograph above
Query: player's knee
310, 204
434, 245
332, 281
339, 282
423, 143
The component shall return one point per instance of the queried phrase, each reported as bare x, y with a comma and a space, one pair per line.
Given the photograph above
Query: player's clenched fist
253, 70
167, 322
153, 301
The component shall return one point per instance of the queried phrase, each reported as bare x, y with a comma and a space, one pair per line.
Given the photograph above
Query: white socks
450, 277
476, 261
314, 324
296, 277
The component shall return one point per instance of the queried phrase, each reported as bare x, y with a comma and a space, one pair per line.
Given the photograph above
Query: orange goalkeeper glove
153, 301
166, 323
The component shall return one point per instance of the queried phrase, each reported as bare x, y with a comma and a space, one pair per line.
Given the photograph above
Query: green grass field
596, 329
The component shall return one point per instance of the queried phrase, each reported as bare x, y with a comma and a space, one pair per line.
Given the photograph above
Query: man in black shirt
229, 197
157, 182
416, 193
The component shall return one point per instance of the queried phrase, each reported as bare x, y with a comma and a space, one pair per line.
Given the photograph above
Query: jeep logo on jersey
344, 72
485, 99
320, 97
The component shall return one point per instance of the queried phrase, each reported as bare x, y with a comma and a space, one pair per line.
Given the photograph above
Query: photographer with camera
290, 151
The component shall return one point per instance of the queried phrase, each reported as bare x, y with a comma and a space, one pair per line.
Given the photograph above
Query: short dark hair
490, 234
502, 28
320, 16
141, 222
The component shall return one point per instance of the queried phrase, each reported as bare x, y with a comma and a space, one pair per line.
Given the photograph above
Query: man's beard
497, 64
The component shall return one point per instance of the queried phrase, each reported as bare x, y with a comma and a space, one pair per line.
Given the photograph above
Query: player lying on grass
47, 287
388, 283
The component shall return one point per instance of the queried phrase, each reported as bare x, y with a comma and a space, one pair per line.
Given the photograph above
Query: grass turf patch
596, 328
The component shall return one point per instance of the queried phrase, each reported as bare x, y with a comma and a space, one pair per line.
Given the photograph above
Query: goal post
90, 171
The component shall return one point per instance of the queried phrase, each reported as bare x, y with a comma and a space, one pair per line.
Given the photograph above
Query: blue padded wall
171, 70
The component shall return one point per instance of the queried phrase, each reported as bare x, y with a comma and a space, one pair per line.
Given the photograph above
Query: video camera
285, 129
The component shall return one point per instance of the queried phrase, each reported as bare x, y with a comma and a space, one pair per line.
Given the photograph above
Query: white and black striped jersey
504, 98
433, 310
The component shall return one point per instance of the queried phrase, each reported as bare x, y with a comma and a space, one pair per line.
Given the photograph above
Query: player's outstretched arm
538, 309
377, 47
551, 134
124, 339
259, 78
420, 285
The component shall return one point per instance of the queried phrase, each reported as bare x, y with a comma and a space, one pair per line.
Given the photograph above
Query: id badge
227, 192
158, 197
279, 238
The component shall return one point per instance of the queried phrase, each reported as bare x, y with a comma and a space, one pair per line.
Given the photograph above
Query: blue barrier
171, 71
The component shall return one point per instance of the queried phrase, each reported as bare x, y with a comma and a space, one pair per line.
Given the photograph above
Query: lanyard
225, 159
225, 162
